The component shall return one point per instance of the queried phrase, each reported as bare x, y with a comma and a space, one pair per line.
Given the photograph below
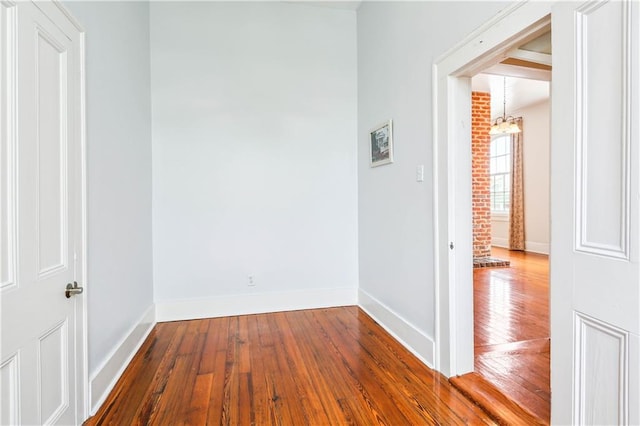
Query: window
500, 173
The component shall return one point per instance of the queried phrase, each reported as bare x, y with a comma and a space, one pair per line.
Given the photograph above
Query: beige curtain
516, 210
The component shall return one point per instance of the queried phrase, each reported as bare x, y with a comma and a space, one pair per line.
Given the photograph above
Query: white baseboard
407, 334
531, 246
103, 381
500, 242
257, 303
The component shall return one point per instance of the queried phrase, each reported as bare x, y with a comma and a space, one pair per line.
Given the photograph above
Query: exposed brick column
481, 198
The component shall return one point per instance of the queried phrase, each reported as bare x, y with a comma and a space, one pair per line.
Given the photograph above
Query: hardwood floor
316, 367
511, 326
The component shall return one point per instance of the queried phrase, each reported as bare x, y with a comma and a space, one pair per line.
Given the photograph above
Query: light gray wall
119, 280
254, 154
397, 45
536, 174
255, 116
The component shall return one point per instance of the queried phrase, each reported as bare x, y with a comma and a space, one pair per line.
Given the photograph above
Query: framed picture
381, 144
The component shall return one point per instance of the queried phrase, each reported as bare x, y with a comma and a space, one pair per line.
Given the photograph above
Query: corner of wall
418, 343
105, 378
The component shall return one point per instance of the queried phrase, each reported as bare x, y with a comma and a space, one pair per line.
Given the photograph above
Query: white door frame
453, 270
82, 354
83, 337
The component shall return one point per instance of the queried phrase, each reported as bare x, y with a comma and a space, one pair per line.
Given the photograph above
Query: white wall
254, 156
119, 280
536, 120
397, 45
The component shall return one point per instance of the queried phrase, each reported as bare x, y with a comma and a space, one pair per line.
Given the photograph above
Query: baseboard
531, 246
407, 334
500, 242
103, 381
256, 303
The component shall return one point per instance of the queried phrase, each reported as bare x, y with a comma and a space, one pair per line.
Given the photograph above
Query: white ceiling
521, 92
541, 44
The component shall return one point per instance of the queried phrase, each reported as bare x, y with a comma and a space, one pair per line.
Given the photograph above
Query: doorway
452, 164
593, 208
490, 45
511, 287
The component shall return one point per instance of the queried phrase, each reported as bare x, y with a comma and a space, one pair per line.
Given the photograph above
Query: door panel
51, 122
9, 391
602, 168
42, 355
595, 276
7, 148
601, 373
53, 371
603, 181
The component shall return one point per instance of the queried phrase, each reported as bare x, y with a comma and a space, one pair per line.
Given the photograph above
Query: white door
595, 276
43, 348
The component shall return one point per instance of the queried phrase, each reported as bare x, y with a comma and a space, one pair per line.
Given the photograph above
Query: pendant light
504, 124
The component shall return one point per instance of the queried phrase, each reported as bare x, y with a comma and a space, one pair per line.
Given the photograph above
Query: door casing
453, 270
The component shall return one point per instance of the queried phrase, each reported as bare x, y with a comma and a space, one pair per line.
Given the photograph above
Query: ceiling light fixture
504, 124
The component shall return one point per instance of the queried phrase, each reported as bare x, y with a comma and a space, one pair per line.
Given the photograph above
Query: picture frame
381, 144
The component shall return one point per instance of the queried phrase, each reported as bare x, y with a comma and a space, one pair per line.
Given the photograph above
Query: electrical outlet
251, 281
420, 173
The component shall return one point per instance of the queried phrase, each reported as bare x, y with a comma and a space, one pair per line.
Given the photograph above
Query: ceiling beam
529, 56
528, 64
518, 71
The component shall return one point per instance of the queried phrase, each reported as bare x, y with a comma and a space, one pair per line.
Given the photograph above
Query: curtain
516, 210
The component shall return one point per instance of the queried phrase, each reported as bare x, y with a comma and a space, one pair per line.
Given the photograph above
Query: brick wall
480, 141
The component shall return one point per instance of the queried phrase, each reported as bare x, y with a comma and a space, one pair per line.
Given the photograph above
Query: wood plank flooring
511, 326
493, 401
317, 367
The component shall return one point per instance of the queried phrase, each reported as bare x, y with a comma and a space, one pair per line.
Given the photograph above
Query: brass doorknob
72, 289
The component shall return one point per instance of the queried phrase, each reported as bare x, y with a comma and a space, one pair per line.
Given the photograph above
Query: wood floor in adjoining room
331, 366
511, 326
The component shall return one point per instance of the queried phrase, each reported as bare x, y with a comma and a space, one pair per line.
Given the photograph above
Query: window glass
500, 173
